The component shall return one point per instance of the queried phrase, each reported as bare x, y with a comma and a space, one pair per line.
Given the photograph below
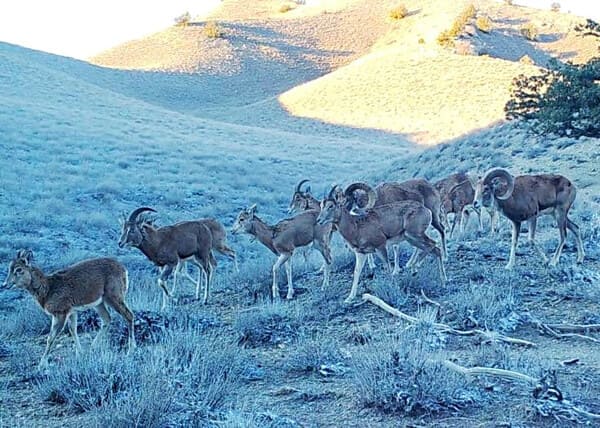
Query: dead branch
562, 331
428, 300
488, 336
550, 404
490, 371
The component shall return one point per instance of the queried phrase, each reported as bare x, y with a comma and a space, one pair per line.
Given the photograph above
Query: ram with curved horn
527, 197
303, 200
375, 226
169, 246
419, 190
284, 238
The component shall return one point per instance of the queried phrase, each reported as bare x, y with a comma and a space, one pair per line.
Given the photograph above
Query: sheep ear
307, 190
26, 256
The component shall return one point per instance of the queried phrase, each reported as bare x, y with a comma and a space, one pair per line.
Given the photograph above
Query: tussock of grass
309, 354
446, 38
488, 305
27, 319
267, 324
400, 375
138, 389
212, 30
529, 31
484, 23
286, 7
398, 12
183, 20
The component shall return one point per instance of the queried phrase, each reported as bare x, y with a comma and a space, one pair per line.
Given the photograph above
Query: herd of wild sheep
367, 218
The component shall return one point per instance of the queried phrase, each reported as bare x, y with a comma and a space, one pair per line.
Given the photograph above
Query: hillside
277, 65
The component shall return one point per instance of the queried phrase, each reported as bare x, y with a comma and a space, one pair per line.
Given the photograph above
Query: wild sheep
527, 197
284, 237
94, 283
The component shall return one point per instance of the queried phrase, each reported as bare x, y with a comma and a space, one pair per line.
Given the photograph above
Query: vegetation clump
212, 30
483, 23
446, 37
529, 31
401, 376
183, 20
564, 99
398, 12
286, 7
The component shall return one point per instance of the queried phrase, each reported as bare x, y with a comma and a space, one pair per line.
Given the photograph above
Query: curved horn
137, 212
503, 174
364, 187
299, 185
331, 194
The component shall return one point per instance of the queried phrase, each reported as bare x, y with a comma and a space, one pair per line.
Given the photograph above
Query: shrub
183, 20
529, 31
564, 100
401, 376
398, 12
212, 30
446, 37
555, 7
267, 324
138, 389
484, 23
488, 305
26, 320
310, 354
285, 8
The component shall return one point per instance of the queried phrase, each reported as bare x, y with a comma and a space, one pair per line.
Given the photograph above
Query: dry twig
488, 336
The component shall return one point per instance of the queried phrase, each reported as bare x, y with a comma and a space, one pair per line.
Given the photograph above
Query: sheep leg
575, 229
73, 331
281, 260
162, 283
561, 220
457, 219
58, 323
105, 316
516, 228
288, 273
531, 239
412, 259
358, 267
383, 256
494, 220
427, 246
396, 250
464, 220
325, 251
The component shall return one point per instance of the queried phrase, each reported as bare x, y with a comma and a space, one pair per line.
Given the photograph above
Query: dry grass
446, 38
484, 23
285, 8
183, 20
529, 31
212, 30
398, 12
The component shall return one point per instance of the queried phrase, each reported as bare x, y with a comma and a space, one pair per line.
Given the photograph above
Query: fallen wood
555, 406
562, 331
488, 336
490, 371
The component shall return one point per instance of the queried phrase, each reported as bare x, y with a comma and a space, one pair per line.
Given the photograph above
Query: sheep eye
19, 271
